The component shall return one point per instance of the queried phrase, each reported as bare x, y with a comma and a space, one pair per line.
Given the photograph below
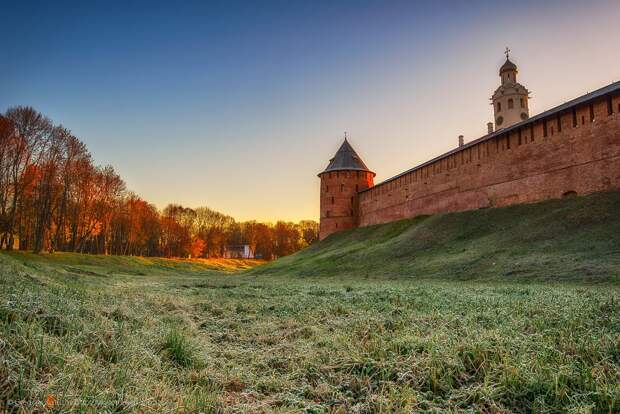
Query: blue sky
238, 105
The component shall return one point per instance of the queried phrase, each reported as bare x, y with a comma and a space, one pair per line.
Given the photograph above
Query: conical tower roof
346, 159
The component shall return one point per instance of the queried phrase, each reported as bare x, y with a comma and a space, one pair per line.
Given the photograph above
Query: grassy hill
569, 239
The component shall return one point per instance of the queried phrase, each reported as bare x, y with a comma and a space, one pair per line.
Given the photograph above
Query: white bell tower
510, 99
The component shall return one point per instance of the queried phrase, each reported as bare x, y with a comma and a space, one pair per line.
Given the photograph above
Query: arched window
499, 107
522, 103
511, 103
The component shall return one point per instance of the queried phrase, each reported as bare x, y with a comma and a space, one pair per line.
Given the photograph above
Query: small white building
238, 251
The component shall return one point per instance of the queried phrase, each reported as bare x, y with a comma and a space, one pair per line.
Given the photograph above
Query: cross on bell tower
507, 52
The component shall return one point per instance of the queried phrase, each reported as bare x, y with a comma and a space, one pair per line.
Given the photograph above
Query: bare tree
74, 154
31, 132
6, 141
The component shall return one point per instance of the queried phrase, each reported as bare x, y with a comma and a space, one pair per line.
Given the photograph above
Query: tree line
54, 198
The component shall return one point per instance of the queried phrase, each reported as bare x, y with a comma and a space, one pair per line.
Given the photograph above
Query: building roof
508, 65
604, 91
346, 159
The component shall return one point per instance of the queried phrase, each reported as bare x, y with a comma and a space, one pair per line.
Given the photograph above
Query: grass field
373, 320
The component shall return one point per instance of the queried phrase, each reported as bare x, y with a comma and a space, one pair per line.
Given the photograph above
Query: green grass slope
105, 334
570, 239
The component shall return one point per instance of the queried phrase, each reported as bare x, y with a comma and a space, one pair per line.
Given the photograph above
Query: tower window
499, 107
522, 103
511, 103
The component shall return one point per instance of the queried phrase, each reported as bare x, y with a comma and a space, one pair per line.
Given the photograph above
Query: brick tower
342, 180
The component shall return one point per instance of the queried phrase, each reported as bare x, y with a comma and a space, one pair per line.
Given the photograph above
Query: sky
238, 105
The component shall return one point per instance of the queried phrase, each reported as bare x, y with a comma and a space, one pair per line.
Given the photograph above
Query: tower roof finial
507, 52
345, 135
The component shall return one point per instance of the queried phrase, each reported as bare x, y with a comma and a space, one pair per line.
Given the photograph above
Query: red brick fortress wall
574, 152
339, 199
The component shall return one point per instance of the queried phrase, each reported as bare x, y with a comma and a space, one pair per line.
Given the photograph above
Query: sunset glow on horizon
238, 106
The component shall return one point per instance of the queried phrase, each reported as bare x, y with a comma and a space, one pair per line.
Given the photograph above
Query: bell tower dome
510, 99
345, 176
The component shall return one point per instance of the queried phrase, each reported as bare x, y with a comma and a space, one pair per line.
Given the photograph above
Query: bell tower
510, 99
345, 176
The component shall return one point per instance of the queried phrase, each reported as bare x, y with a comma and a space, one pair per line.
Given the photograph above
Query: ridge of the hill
576, 238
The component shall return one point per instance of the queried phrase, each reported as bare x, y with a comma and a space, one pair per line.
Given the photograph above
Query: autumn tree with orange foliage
53, 198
